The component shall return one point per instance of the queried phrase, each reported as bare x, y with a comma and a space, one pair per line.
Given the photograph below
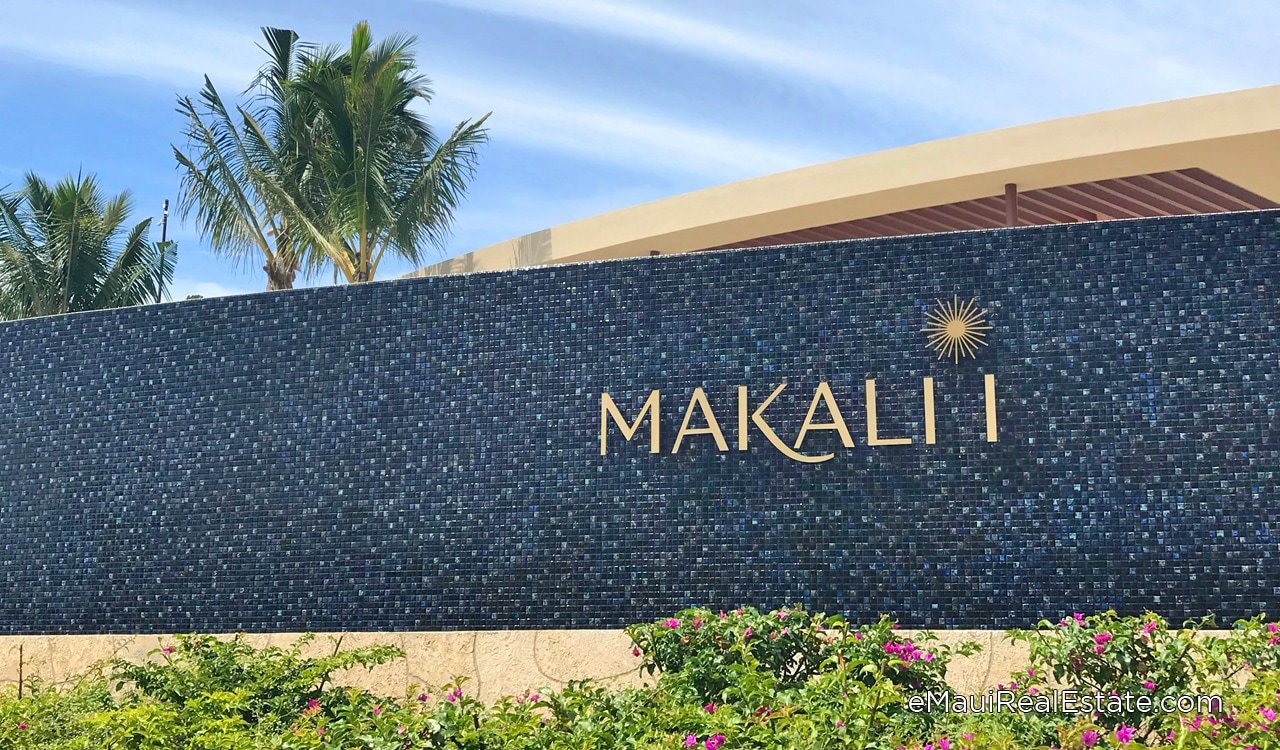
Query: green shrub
48, 717
1108, 654
713, 650
745, 679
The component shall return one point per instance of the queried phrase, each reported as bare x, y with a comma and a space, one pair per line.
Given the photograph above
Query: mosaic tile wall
424, 454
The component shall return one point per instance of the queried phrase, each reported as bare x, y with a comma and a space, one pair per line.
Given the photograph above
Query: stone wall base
494, 663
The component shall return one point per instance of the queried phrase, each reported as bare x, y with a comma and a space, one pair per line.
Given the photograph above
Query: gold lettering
742, 417
757, 417
699, 399
991, 407
930, 433
823, 395
873, 437
609, 409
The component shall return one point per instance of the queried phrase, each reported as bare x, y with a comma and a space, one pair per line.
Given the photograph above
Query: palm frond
425, 211
214, 180
61, 250
330, 158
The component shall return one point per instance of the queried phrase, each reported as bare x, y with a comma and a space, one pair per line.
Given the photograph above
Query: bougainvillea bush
722, 680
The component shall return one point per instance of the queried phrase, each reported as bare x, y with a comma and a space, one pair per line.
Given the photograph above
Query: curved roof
1206, 154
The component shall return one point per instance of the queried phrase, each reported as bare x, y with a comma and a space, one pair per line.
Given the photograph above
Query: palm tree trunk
362, 267
280, 275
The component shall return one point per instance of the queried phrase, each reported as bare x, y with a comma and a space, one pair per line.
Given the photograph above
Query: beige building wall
1234, 135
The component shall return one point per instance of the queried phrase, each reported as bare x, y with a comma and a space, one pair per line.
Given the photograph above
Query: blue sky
599, 104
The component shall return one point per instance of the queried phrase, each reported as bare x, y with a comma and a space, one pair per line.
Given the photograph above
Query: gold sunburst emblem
956, 328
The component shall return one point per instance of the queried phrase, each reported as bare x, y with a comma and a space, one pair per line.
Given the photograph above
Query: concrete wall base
494, 663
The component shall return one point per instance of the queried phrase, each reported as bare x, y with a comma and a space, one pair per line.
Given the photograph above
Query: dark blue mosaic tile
424, 454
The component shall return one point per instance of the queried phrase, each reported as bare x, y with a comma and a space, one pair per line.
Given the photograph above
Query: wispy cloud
624, 136
720, 41
113, 39
1074, 56
972, 65
850, 69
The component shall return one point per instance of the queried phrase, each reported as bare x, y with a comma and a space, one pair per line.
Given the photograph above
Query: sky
601, 104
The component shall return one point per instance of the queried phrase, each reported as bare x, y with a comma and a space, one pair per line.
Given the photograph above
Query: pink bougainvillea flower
1124, 734
401, 729
690, 740
1089, 738
1102, 639
944, 744
22, 725
1273, 627
1078, 617
1150, 627
723, 616
697, 623
747, 633
709, 708
1148, 685
714, 741
839, 723
672, 623
858, 636
1099, 649
534, 698
423, 697
635, 651
454, 695
377, 710
1267, 713
167, 650
782, 614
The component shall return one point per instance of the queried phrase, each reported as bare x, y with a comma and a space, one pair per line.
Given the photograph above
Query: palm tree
379, 180
221, 180
64, 248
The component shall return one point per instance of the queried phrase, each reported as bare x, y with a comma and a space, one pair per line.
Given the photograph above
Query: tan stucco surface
1235, 136
494, 663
